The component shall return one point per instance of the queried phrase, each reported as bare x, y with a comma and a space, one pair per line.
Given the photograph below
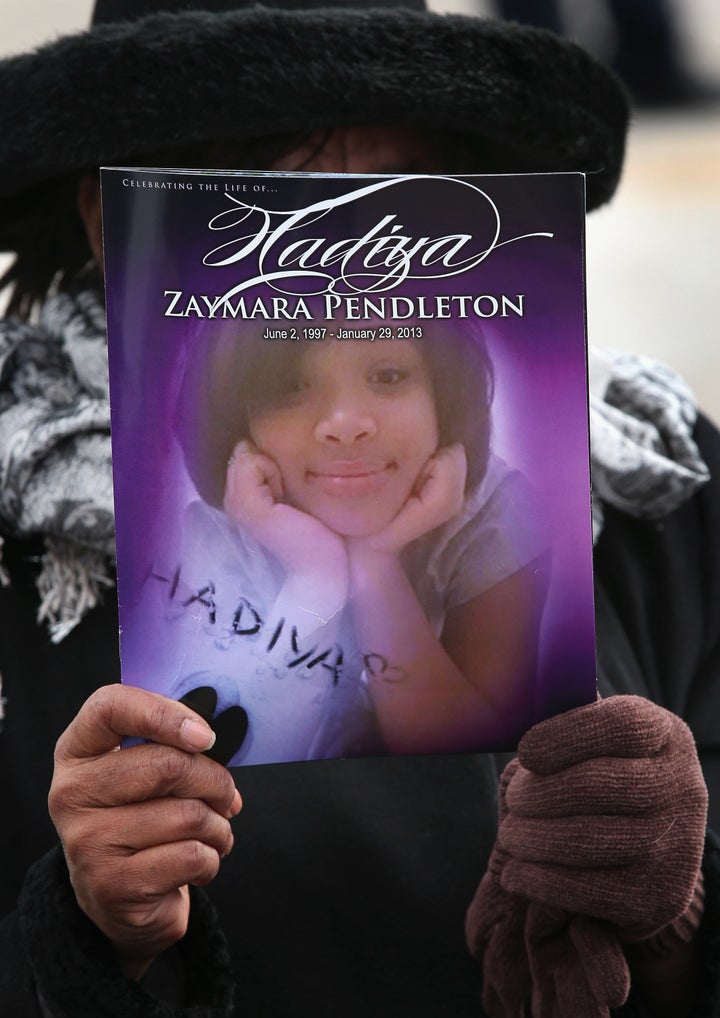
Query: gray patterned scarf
643, 457
55, 475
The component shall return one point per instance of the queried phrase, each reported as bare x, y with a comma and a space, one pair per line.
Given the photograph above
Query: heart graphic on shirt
230, 726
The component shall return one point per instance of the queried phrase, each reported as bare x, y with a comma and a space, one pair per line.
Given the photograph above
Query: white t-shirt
212, 621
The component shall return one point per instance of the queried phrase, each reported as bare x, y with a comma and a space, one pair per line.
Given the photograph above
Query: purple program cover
350, 440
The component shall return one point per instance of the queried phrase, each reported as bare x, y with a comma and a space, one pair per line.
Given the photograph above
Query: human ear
90, 213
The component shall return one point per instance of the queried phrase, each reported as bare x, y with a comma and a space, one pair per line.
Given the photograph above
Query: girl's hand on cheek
253, 500
253, 484
437, 497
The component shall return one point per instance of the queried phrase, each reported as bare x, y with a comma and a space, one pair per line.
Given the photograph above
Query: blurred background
653, 254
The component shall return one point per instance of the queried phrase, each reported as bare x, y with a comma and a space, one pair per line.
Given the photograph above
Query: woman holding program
342, 887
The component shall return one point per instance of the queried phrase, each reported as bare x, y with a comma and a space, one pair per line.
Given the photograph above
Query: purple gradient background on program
540, 410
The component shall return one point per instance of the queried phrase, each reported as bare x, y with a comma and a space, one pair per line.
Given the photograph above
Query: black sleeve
657, 596
17, 986
60, 958
657, 591
707, 1000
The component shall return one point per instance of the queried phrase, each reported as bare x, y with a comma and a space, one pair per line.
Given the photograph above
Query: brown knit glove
569, 964
495, 931
577, 965
603, 817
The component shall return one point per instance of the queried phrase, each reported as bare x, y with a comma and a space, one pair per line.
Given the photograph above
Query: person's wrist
74, 963
672, 937
322, 586
369, 556
329, 566
313, 554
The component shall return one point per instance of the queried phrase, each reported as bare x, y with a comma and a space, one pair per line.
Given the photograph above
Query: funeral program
350, 444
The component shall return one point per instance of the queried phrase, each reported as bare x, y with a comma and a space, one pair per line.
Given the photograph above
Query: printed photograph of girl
360, 573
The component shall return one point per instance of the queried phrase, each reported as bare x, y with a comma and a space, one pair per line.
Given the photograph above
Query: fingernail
236, 804
197, 735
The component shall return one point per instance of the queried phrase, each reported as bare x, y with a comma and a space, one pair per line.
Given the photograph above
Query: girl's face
353, 433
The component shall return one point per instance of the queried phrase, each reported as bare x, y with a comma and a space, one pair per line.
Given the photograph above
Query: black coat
346, 890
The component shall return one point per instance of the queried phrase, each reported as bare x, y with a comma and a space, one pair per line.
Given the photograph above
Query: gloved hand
570, 965
603, 818
495, 930
577, 964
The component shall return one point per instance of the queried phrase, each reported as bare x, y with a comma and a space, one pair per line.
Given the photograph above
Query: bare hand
253, 500
139, 825
438, 496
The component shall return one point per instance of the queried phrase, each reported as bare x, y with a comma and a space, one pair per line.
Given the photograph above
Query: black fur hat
149, 75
